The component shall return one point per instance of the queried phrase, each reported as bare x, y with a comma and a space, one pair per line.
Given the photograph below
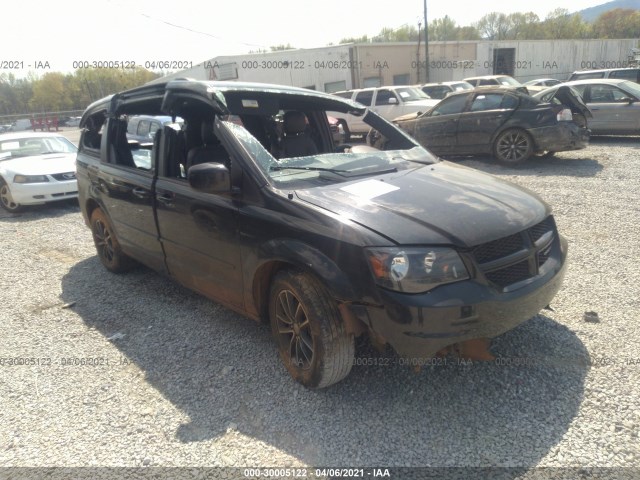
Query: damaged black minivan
252, 204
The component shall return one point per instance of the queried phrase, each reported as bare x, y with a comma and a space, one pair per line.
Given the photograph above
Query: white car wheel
6, 199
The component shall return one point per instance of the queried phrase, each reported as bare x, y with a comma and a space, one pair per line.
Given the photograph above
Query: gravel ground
182, 381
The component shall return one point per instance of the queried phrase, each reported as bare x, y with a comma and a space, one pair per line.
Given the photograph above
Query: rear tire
308, 329
6, 199
107, 246
513, 147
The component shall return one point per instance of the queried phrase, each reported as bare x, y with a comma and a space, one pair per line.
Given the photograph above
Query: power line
182, 27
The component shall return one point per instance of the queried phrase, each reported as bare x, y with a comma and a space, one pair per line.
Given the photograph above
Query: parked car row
70, 122
513, 122
497, 80
440, 90
388, 102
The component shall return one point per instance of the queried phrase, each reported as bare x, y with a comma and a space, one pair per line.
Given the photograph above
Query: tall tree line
54, 91
558, 24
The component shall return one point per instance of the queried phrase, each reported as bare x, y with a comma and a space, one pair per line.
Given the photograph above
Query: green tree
405, 33
618, 23
362, 39
15, 93
559, 24
524, 26
49, 93
282, 46
443, 29
493, 26
468, 33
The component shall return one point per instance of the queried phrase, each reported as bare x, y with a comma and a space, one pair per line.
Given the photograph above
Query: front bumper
39, 193
561, 137
418, 326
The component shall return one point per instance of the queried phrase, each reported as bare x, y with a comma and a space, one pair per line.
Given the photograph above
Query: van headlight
415, 269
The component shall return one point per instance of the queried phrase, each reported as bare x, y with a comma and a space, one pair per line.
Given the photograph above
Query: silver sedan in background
615, 104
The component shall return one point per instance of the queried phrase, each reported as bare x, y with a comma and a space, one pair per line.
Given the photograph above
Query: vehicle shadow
628, 141
556, 166
222, 371
38, 212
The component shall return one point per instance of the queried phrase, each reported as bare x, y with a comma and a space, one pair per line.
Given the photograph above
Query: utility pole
418, 53
426, 45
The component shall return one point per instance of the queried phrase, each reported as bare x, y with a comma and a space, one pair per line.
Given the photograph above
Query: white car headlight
30, 179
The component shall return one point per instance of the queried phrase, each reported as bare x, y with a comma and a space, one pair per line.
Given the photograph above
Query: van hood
441, 203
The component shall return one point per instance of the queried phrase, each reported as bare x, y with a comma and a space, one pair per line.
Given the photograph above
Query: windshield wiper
276, 168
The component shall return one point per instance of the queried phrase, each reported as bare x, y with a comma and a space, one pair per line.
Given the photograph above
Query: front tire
6, 199
107, 246
306, 324
513, 147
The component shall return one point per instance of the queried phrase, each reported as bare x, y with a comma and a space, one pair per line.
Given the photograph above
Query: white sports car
36, 168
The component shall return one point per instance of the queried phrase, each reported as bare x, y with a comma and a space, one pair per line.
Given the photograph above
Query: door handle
165, 198
140, 192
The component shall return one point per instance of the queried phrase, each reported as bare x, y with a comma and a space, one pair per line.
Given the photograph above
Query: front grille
537, 231
543, 255
512, 274
64, 177
515, 258
487, 252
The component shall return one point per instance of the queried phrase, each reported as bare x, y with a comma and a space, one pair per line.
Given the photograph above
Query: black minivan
253, 205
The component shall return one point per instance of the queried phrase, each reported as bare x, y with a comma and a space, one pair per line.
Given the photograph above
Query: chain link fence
45, 121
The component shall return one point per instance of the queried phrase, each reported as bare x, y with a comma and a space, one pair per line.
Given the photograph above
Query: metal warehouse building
342, 67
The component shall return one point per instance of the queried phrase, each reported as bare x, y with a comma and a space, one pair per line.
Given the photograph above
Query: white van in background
21, 124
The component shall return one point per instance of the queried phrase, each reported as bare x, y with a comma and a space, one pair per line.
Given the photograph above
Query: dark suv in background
253, 205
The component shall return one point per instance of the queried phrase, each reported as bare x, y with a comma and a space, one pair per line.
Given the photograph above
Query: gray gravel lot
182, 381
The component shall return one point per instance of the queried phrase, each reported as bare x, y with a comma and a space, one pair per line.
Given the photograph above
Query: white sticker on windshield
404, 94
369, 189
250, 103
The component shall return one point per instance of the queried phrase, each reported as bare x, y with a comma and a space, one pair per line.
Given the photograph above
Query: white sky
62, 31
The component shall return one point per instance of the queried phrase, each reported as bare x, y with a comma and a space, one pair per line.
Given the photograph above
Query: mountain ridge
590, 14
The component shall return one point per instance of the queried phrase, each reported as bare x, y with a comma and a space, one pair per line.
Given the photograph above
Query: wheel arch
282, 254
5, 183
90, 205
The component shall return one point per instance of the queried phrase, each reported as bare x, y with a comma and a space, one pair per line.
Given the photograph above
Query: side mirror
209, 178
393, 101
